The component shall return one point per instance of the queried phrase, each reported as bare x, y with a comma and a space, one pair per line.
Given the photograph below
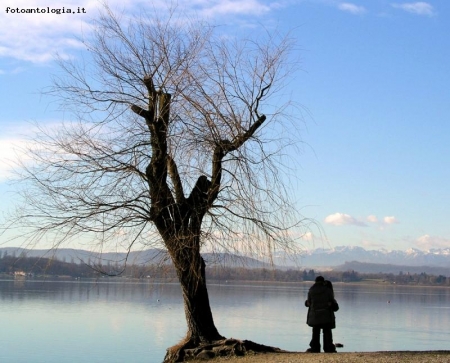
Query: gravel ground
373, 357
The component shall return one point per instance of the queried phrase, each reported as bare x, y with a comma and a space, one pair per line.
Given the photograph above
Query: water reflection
371, 318
125, 321
393, 317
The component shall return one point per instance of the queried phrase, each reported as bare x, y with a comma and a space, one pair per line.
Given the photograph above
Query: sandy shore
372, 357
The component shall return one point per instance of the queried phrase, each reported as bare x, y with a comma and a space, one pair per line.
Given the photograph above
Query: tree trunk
191, 273
201, 327
190, 268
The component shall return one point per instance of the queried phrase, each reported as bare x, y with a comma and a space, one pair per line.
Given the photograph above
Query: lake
130, 321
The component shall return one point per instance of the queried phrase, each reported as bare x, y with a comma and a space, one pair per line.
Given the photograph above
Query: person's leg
315, 341
328, 345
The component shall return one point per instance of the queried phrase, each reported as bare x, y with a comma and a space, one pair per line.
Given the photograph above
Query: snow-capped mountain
331, 257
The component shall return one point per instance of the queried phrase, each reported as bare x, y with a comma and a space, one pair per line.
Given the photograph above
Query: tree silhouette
168, 149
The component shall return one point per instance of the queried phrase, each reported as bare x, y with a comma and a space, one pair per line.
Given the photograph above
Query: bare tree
170, 146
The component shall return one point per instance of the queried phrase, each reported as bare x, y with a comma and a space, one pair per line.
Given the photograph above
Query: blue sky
374, 82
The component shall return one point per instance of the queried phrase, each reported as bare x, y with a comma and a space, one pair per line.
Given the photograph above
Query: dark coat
321, 304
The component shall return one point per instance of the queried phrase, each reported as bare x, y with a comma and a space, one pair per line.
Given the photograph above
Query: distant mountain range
321, 257
435, 261
345, 258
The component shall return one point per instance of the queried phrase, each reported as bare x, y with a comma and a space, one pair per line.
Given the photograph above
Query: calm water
126, 322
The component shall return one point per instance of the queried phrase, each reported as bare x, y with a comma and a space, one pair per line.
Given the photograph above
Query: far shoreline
104, 278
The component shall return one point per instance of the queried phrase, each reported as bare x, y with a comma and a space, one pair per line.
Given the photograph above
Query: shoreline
354, 357
144, 280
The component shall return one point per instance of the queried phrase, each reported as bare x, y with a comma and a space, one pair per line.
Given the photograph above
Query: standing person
321, 304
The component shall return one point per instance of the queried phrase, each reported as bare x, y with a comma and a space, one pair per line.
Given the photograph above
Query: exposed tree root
186, 351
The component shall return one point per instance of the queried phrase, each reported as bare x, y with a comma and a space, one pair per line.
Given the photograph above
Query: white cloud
222, 7
386, 220
427, 242
308, 236
390, 220
352, 8
418, 8
9, 151
14, 70
340, 219
14, 142
37, 37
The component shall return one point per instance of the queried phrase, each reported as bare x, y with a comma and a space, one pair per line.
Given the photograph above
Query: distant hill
146, 257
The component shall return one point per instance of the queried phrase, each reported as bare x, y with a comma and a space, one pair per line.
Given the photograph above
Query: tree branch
224, 147
141, 112
176, 180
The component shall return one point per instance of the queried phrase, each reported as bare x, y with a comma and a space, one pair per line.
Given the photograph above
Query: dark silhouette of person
321, 307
